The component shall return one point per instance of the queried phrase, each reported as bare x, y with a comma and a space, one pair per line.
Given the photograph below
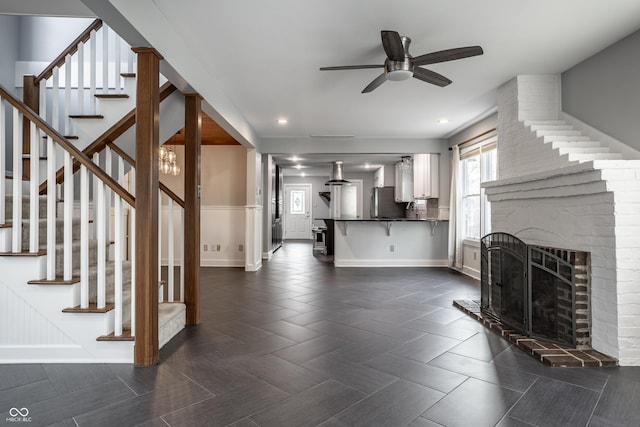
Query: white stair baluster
132, 246
55, 99
80, 94
105, 59
67, 96
118, 60
68, 217
102, 243
92, 72
43, 99
95, 183
51, 209
34, 190
108, 168
161, 293
170, 251
84, 237
118, 266
16, 230
3, 144
122, 236
182, 255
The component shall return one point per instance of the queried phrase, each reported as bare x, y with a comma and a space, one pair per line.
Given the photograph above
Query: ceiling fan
400, 65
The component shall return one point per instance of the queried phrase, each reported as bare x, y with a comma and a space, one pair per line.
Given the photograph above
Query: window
477, 165
297, 202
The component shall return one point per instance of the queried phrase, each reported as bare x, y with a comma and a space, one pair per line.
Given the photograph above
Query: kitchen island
388, 242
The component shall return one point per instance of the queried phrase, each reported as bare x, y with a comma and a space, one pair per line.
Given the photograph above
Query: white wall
604, 90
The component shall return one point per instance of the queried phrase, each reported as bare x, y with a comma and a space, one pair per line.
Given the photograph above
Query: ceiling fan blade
430, 77
375, 83
447, 55
392, 44
350, 67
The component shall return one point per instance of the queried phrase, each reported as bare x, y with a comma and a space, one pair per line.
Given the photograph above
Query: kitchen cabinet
426, 176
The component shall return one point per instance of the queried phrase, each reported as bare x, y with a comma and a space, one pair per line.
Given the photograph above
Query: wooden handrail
110, 135
70, 50
171, 194
120, 152
78, 155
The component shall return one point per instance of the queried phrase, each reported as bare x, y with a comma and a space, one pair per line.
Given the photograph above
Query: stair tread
93, 308
111, 95
56, 281
86, 116
24, 253
126, 336
71, 137
129, 75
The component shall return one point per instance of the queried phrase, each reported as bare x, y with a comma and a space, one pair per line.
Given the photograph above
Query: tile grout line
598, 401
516, 402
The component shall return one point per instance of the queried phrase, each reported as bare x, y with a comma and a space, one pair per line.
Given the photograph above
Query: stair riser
42, 233
8, 211
75, 257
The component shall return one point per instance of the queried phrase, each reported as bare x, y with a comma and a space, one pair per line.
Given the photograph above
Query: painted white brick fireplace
558, 188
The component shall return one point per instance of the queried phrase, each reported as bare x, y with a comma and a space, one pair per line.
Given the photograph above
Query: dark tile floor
301, 343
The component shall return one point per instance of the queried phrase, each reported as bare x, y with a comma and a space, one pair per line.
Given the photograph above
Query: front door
297, 208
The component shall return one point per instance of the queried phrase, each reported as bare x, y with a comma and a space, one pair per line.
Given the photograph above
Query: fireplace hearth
538, 292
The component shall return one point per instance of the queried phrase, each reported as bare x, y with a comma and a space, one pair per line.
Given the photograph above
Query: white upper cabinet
426, 173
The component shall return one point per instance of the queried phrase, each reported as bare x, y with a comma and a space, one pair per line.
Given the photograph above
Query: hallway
301, 343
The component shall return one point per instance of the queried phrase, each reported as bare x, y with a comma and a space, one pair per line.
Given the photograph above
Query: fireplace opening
539, 292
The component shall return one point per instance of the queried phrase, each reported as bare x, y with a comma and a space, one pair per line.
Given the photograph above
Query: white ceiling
255, 61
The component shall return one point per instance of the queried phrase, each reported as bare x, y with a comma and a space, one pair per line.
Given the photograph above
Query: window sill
471, 242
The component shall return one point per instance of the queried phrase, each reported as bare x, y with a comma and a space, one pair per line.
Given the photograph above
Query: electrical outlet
475, 256
240, 248
392, 248
218, 248
206, 248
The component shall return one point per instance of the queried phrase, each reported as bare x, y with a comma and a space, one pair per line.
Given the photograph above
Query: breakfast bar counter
387, 242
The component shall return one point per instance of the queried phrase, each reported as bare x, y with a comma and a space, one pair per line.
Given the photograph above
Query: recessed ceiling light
282, 121
367, 166
443, 121
298, 167
303, 174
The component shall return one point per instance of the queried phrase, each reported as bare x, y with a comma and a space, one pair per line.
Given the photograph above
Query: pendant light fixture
168, 160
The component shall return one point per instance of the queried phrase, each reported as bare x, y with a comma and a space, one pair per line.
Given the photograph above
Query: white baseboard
391, 263
253, 267
222, 263
471, 272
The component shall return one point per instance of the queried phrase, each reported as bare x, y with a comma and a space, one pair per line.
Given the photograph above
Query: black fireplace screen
527, 288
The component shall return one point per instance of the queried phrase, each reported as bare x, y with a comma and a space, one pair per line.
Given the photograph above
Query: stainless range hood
336, 177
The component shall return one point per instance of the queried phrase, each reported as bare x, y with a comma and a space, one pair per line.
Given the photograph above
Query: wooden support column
31, 97
146, 232
192, 142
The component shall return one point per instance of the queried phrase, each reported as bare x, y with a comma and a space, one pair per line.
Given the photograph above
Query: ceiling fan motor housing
400, 70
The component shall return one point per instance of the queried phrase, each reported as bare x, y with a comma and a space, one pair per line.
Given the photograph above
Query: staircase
66, 290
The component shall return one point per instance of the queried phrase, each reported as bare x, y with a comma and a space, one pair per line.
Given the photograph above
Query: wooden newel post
146, 232
192, 138
31, 97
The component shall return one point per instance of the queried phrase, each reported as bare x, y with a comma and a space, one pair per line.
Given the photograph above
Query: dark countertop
383, 219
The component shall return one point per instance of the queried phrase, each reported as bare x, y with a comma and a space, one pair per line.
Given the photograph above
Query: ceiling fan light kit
400, 65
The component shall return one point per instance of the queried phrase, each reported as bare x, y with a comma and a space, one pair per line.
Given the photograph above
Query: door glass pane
297, 202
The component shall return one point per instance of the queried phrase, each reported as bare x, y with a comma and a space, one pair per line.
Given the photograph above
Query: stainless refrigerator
383, 204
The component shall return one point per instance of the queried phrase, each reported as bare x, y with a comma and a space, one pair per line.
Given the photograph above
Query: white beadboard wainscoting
219, 225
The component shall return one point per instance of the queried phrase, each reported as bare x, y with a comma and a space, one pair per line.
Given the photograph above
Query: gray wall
604, 90
9, 42
43, 38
